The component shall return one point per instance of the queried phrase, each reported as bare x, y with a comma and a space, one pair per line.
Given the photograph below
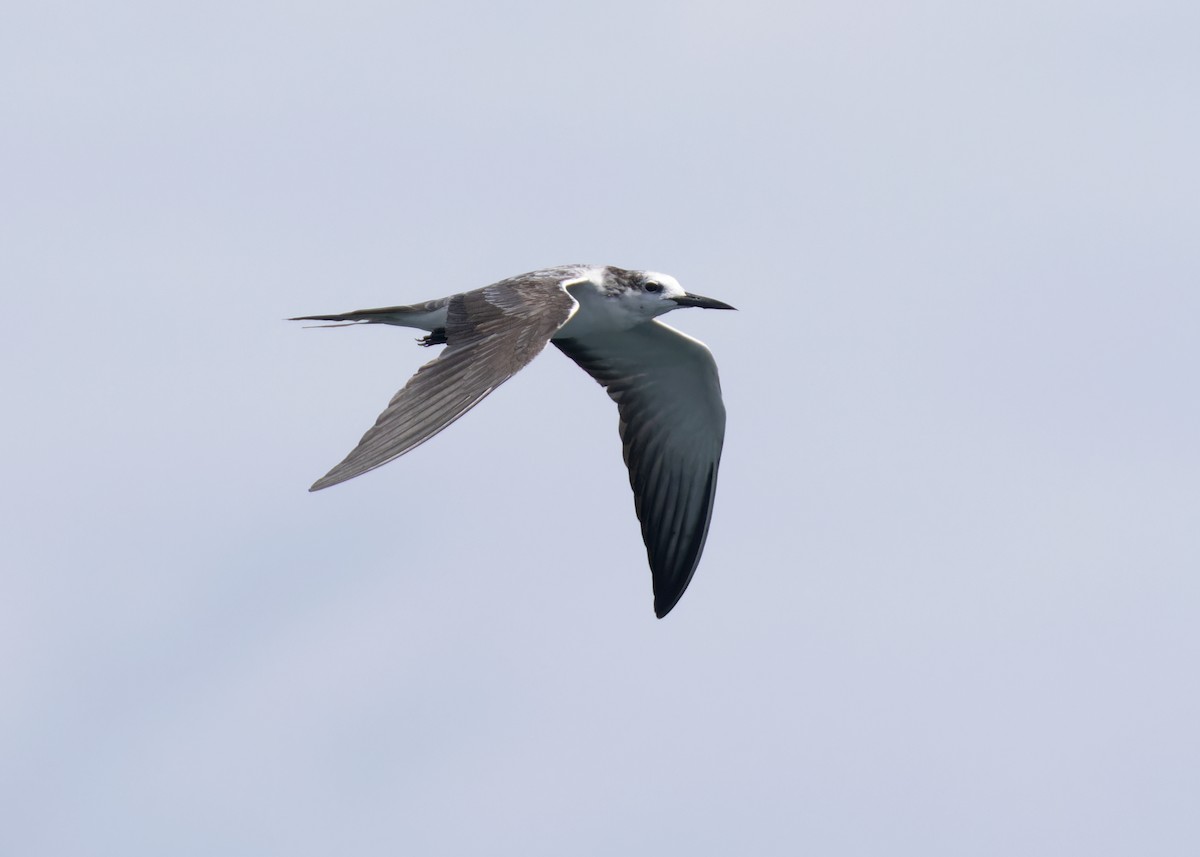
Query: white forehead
667, 280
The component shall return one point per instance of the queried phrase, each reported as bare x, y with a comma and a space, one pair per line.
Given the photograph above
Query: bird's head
650, 294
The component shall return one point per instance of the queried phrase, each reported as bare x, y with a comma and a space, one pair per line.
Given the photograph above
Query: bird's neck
599, 312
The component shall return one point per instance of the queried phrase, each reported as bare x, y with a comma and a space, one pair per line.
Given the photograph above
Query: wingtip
324, 482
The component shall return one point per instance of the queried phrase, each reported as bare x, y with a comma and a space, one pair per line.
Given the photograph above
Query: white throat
599, 312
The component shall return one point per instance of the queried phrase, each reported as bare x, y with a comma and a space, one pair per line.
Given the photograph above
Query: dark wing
491, 333
672, 427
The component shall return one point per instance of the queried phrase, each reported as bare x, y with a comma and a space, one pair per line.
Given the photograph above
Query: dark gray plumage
665, 384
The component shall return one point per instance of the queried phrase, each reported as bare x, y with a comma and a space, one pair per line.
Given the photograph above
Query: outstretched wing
491, 333
668, 396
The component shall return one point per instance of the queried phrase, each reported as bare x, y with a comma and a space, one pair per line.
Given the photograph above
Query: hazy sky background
949, 600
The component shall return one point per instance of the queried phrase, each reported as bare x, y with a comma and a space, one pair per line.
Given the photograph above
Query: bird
606, 319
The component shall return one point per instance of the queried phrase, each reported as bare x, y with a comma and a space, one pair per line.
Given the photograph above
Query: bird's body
664, 383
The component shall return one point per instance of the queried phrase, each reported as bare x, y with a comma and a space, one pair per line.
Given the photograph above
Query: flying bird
672, 419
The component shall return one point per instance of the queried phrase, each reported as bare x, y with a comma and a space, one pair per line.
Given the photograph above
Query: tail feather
427, 316
361, 316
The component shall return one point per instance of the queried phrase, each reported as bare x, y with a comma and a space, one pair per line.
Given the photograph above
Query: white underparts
430, 320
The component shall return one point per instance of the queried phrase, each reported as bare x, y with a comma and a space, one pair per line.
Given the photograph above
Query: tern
665, 384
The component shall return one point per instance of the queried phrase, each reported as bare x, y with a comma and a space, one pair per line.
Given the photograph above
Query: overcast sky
949, 600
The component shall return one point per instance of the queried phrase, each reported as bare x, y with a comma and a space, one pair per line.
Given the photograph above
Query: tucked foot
438, 337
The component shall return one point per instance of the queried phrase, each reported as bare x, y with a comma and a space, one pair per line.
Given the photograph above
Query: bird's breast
597, 314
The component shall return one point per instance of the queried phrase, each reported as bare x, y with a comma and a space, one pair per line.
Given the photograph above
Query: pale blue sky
949, 600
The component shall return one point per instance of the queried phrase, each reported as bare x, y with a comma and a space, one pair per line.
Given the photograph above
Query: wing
491, 333
668, 396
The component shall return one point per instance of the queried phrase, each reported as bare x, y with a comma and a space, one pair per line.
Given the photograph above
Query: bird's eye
653, 286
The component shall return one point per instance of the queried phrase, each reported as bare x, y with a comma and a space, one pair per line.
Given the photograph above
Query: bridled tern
672, 419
